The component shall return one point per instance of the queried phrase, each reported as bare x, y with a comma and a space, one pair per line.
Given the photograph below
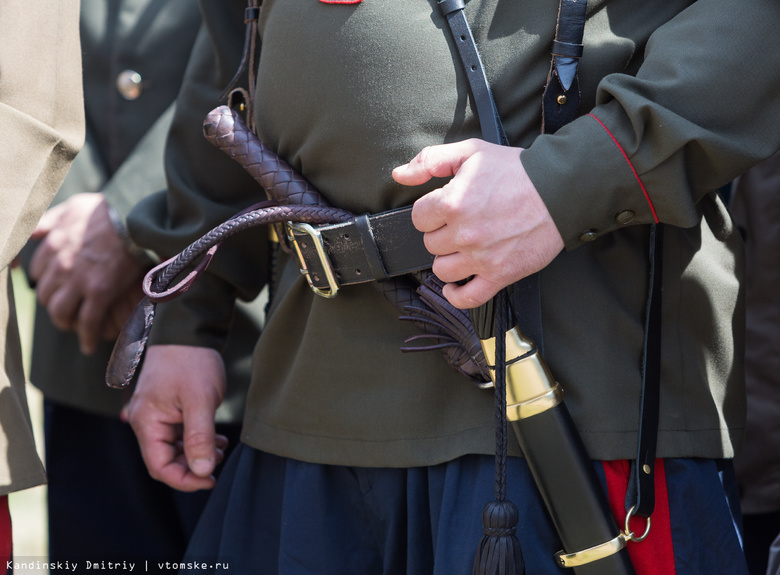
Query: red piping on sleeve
630, 165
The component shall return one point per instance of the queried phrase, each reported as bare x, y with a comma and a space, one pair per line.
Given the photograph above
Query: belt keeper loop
448, 6
370, 248
251, 13
567, 49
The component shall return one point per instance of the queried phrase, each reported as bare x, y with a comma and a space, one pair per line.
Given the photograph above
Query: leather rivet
646, 469
625, 217
562, 99
588, 236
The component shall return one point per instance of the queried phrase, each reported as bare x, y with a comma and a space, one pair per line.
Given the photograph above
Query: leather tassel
499, 549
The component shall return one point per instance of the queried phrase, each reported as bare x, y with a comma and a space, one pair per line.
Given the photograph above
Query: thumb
47, 222
435, 162
199, 437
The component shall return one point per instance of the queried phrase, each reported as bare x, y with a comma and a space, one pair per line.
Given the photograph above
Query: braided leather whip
417, 297
292, 199
130, 345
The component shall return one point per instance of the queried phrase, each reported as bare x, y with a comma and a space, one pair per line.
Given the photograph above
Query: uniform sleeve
41, 112
143, 172
42, 119
702, 108
141, 175
205, 187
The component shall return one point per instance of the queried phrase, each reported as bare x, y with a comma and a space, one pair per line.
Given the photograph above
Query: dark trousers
760, 530
275, 516
103, 505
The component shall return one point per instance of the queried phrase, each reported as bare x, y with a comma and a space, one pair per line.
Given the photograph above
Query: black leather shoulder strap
485, 106
560, 102
562, 92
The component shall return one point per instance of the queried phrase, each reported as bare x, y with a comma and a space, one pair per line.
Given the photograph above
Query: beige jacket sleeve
42, 119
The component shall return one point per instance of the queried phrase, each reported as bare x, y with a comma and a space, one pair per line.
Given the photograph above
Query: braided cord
500, 394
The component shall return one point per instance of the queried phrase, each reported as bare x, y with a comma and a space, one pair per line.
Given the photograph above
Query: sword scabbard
562, 470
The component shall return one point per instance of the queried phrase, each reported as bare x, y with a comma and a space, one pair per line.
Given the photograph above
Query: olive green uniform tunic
42, 121
680, 96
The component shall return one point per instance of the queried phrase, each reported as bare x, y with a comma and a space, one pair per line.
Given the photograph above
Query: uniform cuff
587, 181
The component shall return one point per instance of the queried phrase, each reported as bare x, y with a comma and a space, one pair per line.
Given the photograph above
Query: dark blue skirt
272, 515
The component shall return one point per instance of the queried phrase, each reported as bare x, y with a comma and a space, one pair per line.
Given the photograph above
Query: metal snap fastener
588, 236
625, 217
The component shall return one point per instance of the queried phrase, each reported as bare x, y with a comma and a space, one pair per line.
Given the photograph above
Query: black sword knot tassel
499, 549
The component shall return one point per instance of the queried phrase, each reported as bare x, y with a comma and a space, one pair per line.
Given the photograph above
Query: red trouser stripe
654, 555
6, 540
630, 165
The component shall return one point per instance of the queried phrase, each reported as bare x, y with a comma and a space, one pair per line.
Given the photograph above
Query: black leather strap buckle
366, 248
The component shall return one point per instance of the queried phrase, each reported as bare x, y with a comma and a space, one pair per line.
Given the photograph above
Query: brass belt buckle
319, 246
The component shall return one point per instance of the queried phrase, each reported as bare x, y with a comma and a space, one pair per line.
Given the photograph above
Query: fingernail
201, 467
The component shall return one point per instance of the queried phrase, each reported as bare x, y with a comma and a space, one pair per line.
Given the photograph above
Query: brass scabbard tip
592, 554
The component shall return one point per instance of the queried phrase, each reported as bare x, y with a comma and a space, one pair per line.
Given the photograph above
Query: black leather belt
364, 249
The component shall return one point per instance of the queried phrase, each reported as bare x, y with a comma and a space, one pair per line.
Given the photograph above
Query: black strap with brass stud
562, 92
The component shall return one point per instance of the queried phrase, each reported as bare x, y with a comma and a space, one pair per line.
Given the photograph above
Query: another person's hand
84, 274
172, 413
487, 223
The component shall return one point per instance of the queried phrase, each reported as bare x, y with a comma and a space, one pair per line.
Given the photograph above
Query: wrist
136, 251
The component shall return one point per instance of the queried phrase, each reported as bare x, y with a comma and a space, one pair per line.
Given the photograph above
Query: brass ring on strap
630, 534
592, 553
535, 406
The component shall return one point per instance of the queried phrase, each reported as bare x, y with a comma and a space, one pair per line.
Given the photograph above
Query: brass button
625, 217
129, 84
562, 99
588, 236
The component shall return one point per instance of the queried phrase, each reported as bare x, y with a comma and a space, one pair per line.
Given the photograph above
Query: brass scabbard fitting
530, 387
605, 549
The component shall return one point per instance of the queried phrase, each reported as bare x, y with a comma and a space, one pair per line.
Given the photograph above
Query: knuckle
424, 157
469, 301
432, 162
198, 440
98, 289
494, 262
466, 237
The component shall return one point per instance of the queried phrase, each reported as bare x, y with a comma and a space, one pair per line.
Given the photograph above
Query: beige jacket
42, 121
